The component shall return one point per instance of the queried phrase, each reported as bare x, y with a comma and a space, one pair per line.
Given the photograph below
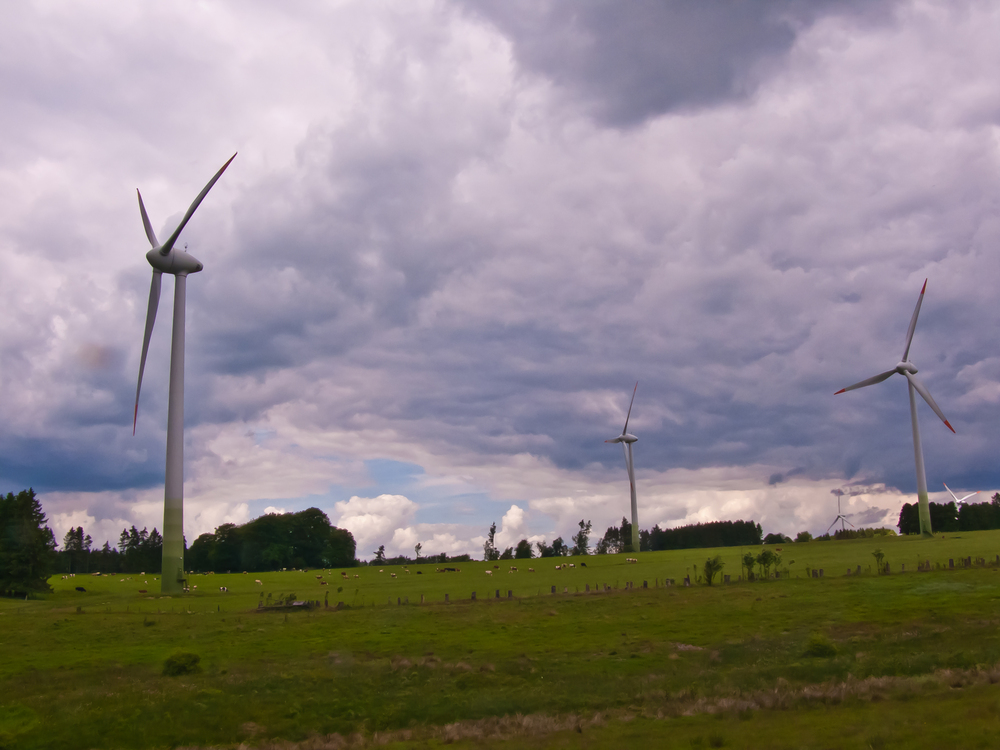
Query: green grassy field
905, 660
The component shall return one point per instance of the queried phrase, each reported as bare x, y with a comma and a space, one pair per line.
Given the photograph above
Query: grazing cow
393, 575
380, 570
583, 565
513, 569
489, 572
142, 591
319, 578
224, 589
497, 567
558, 567
81, 588
357, 576
323, 583
257, 581
572, 565
531, 570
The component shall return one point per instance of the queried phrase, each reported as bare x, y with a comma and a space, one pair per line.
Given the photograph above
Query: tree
625, 538
748, 560
559, 547
508, 554
544, 550
777, 539
416, 549
26, 545
581, 540
803, 536
489, 546
76, 550
523, 550
765, 560
380, 554
879, 555
713, 566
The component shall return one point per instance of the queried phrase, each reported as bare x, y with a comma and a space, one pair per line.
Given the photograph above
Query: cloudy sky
456, 235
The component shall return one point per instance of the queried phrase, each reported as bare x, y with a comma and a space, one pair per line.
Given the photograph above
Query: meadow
902, 660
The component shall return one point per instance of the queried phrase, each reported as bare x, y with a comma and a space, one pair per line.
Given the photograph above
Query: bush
180, 663
821, 646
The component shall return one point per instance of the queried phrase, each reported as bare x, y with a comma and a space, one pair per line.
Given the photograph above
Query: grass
87, 669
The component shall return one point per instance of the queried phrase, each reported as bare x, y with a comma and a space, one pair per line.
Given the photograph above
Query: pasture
905, 660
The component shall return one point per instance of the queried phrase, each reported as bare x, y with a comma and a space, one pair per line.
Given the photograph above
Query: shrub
180, 663
821, 646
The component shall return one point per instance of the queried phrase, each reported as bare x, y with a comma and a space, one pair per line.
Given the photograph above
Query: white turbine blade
968, 496
832, 524
154, 299
850, 524
871, 381
913, 322
922, 390
625, 428
169, 244
615, 440
951, 493
150, 234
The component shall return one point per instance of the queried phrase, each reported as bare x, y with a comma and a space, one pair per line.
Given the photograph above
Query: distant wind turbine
957, 501
626, 440
164, 258
907, 369
840, 516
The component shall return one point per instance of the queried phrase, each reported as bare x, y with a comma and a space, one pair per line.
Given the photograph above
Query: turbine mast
172, 577
923, 504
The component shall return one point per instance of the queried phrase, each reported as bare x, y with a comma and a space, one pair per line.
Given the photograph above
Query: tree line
951, 517
274, 541
618, 539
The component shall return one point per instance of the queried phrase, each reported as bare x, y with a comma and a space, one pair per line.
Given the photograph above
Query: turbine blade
951, 493
922, 390
150, 234
850, 524
169, 244
625, 428
832, 524
154, 300
871, 381
968, 496
913, 322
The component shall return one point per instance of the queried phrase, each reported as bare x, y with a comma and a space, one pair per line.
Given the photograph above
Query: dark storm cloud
632, 61
445, 265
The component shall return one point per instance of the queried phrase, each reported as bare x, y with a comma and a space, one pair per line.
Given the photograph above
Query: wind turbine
907, 369
626, 440
840, 516
164, 258
957, 501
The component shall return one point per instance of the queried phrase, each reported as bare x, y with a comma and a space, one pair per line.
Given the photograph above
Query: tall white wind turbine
957, 501
626, 440
908, 370
164, 258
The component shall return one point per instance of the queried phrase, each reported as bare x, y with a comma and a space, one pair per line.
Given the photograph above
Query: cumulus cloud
457, 234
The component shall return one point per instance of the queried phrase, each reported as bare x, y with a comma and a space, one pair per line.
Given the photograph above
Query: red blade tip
948, 425
924, 289
842, 390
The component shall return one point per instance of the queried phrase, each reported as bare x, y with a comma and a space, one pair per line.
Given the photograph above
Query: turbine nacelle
906, 367
623, 438
174, 262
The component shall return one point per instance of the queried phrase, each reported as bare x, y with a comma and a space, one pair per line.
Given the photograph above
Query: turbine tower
626, 440
164, 258
957, 501
908, 370
840, 516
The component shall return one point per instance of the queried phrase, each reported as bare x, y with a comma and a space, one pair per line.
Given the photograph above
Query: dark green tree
27, 545
490, 551
581, 540
523, 550
76, 551
380, 554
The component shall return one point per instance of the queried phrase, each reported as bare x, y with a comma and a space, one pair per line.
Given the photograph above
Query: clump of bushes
183, 662
821, 646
